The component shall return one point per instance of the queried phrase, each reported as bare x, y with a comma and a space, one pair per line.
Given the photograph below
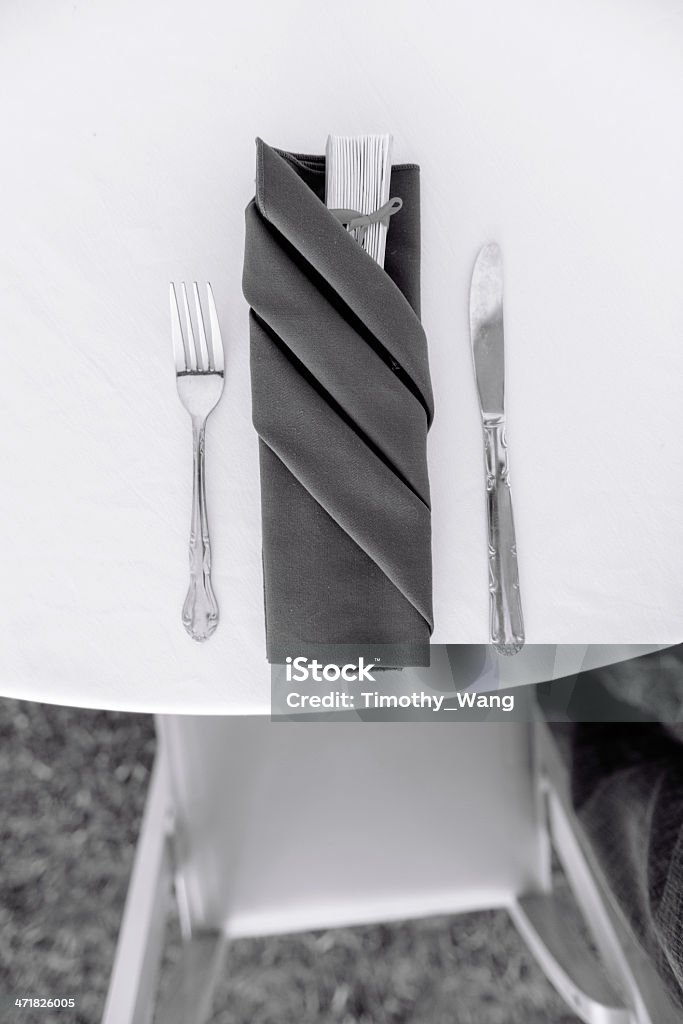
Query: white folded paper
358, 176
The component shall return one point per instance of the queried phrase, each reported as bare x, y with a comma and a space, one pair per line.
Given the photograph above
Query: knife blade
488, 353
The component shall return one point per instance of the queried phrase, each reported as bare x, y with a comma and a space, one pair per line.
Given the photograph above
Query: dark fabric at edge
627, 790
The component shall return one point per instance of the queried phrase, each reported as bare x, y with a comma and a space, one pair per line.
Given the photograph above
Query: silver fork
199, 366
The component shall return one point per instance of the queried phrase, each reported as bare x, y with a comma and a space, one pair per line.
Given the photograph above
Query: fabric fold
626, 785
342, 403
295, 211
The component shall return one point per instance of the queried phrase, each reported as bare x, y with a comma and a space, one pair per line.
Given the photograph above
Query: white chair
270, 827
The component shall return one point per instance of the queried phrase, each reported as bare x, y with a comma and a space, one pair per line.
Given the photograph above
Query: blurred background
73, 786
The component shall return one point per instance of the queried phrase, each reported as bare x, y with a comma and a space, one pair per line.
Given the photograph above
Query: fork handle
200, 610
507, 624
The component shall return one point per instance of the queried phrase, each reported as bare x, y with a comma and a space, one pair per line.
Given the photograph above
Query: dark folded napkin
342, 403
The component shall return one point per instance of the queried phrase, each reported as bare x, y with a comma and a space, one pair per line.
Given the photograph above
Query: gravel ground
73, 787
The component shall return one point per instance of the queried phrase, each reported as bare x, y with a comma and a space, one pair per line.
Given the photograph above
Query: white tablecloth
127, 135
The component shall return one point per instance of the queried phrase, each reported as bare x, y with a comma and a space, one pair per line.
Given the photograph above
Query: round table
128, 158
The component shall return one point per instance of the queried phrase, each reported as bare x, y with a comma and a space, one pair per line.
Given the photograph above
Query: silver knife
486, 334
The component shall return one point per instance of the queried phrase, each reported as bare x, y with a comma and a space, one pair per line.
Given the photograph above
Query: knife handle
507, 624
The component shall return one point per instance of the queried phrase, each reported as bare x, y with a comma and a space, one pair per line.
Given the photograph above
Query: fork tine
216, 340
193, 352
177, 334
207, 363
